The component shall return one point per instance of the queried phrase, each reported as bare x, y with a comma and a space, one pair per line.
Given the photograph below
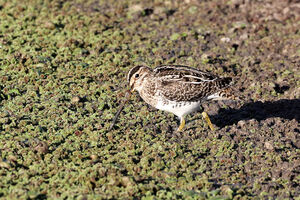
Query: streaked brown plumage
178, 89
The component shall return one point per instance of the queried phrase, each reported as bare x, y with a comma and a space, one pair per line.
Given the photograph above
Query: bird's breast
148, 92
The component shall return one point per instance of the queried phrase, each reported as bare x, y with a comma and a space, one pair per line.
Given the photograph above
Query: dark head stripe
133, 71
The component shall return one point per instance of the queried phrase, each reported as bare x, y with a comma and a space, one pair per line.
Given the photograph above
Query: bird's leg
182, 123
205, 116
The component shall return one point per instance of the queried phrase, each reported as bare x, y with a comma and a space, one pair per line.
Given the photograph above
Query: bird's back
181, 83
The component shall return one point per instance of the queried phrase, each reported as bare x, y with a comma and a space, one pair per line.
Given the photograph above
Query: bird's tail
228, 94
225, 94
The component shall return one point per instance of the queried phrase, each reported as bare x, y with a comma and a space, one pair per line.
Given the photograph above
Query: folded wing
181, 83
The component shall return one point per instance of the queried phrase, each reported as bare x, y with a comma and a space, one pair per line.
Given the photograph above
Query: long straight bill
127, 97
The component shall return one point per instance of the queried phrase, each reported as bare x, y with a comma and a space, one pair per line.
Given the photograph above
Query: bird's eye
137, 75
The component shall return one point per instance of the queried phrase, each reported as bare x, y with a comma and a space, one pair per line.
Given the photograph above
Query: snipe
178, 89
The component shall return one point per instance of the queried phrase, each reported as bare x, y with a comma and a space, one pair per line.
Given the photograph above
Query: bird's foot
182, 124
205, 116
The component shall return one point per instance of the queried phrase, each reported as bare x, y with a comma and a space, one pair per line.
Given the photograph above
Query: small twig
127, 97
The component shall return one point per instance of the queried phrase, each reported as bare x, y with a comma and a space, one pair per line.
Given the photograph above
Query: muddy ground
63, 67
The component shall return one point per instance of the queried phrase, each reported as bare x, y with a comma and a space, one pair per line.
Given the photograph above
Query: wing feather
182, 83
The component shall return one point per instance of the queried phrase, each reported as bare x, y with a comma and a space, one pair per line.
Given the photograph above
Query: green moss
63, 72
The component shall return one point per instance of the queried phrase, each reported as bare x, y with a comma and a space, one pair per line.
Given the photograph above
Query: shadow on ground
284, 108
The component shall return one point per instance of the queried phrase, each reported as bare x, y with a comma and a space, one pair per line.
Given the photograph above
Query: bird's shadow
284, 108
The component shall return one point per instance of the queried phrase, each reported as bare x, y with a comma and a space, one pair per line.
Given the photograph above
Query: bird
178, 89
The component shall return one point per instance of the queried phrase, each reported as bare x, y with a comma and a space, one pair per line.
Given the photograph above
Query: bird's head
136, 77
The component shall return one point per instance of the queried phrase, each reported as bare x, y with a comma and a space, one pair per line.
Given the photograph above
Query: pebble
269, 146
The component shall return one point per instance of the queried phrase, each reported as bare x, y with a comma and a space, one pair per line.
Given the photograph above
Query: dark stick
127, 97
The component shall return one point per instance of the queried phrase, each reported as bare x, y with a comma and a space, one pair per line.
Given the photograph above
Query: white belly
178, 108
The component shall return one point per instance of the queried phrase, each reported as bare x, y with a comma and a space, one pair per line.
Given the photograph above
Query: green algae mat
63, 67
